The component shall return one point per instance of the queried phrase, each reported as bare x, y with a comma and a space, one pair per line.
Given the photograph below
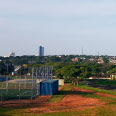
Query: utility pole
98, 53
82, 53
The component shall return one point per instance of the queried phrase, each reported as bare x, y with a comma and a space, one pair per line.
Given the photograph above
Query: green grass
11, 112
56, 98
78, 113
105, 82
67, 90
99, 111
106, 99
15, 85
95, 90
61, 94
108, 110
15, 94
21, 112
111, 92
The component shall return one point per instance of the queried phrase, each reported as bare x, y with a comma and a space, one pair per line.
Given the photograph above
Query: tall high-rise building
41, 51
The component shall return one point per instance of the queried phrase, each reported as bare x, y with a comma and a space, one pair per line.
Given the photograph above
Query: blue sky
62, 26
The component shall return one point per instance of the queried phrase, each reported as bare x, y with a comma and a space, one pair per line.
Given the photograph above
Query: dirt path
40, 100
82, 90
69, 103
105, 95
60, 88
90, 91
76, 100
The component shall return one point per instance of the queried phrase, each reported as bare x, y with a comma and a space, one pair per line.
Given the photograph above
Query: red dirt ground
76, 100
70, 102
60, 88
90, 91
26, 103
105, 95
82, 90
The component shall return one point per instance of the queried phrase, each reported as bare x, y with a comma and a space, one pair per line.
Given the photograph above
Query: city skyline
63, 27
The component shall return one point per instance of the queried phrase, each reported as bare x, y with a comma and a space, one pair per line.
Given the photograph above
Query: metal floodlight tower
44, 73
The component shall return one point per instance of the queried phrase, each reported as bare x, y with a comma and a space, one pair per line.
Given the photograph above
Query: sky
61, 26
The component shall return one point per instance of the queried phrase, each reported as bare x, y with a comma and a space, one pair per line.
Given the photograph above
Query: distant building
113, 77
5, 56
113, 61
59, 56
100, 61
12, 54
41, 51
75, 60
91, 59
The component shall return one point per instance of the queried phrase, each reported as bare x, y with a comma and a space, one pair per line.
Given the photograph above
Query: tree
70, 73
6, 68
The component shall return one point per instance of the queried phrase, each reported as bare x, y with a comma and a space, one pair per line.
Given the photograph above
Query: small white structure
12, 54
60, 81
98, 78
39, 80
113, 77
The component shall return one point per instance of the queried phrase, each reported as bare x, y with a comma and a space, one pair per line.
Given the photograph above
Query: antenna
82, 51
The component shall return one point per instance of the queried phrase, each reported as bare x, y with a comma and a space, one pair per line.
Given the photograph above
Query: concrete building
41, 51
12, 54
75, 59
100, 61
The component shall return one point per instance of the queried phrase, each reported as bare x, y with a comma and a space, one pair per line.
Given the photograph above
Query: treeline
63, 65
20, 60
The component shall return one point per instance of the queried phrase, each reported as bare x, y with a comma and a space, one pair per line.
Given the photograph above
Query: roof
49, 81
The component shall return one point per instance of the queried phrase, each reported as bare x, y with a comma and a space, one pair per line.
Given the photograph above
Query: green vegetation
112, 92
6, 67
15, 94
82, 68
13, 91
101, 111
107, 110
71, 72
60, 95
79, 113
105, 82
11, 112
56, 98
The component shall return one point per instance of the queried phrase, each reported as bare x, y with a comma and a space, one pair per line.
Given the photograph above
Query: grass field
109, 109
105, 82
15, 85
112, 92
15, 94
16, 91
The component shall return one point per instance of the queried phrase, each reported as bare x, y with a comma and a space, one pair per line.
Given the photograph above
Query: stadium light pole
6, 78
32, 82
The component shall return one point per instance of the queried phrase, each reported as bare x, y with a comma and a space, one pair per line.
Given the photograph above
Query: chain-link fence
24, 87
